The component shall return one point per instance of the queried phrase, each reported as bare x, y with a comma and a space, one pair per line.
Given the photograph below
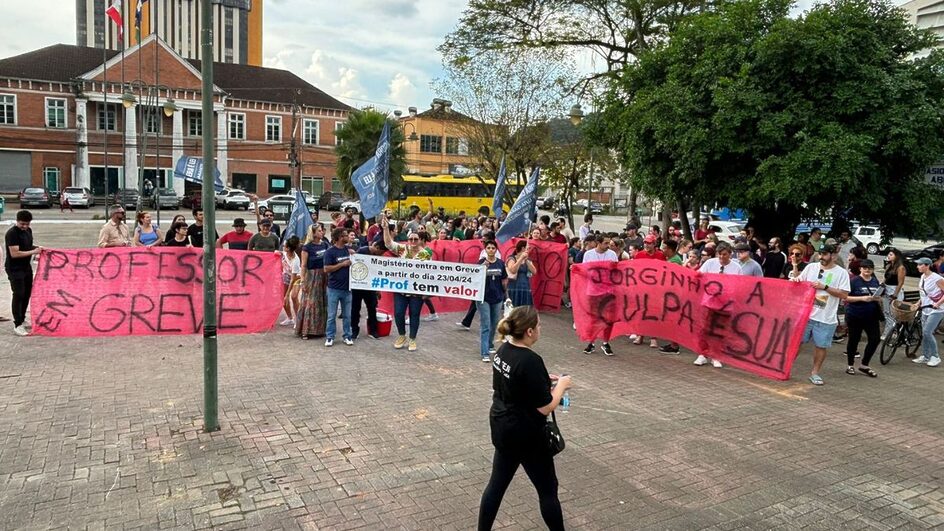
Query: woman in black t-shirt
523, 398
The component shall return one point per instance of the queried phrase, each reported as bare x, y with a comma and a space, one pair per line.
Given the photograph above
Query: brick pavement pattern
107, 434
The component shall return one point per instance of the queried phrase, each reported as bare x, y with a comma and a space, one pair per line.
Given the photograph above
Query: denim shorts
820, 333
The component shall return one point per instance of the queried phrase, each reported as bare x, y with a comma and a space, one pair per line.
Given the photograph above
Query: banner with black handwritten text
752, 323
152, 291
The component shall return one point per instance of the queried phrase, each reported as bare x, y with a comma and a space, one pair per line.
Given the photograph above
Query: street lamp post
576, 117
149, 97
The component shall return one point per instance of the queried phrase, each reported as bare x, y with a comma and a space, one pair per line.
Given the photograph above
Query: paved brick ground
106, 433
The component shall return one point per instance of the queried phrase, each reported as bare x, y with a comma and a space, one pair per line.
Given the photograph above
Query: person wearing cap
264, 240
931, 288
749, 266
832, 285
863, 311
269, 215
238, 238
115, 232
632, 239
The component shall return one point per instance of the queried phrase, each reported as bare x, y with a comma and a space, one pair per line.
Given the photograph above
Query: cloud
326, 73
402, 91
391, 8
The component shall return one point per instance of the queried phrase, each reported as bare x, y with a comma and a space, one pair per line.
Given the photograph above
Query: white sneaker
348, 341
934, 362
919, 360
701, 360
431, 317
632, 337
20, 330
329, 342
288, 322
462, 326
716, 364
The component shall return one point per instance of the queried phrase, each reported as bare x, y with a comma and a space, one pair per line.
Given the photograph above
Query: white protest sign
418, 277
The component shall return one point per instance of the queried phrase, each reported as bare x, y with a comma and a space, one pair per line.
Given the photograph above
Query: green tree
836, 112
359, 136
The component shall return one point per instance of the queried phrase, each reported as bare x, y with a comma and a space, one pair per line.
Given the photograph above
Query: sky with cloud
364, 52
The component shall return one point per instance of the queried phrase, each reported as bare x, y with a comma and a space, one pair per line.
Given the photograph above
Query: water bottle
564, 405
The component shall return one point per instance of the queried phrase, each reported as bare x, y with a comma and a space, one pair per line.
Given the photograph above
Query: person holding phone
863, 312
520, 268
524, 395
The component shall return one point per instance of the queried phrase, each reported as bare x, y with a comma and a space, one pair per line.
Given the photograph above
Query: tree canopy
835, 112
358, 138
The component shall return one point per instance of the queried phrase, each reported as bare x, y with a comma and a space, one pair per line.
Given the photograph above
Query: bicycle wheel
913, 341
891, 344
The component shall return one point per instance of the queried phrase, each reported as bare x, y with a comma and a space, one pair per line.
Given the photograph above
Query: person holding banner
601, 253
722, 264
337, 261
520, 269
490, 309
18, 264
312, 315
413, 250
524, 395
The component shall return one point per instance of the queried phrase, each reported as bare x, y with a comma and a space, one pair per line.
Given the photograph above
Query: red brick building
55, 131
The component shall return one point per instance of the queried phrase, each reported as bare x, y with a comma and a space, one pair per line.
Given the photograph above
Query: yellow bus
450, 192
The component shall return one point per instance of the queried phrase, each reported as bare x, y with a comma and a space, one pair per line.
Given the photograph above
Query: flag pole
210, 390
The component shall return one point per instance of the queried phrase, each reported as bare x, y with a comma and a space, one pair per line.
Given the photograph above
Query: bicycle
907, 332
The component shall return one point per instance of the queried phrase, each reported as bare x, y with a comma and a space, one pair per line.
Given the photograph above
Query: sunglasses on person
796, 254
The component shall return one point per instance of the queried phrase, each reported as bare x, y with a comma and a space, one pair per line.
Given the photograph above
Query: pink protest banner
754, 324
152, 291
550, 260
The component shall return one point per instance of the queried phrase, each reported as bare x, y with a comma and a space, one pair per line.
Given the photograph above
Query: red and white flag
114, 13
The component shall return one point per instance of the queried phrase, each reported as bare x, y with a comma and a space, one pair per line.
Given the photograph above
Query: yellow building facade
441, 144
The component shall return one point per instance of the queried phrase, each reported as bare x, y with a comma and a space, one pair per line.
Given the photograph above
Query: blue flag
372, 179
191, 169
519, 218
499, 190
300, 221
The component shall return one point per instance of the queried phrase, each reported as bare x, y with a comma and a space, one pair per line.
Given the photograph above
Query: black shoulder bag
552, 436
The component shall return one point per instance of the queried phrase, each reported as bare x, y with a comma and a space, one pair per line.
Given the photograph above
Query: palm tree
359, 136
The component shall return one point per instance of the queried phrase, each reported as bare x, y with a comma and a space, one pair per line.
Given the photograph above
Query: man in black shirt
195, 231
367, 297
20, 251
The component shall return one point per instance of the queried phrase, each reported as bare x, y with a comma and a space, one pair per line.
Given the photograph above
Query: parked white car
235, 199
726, 230
871, 237
79, 197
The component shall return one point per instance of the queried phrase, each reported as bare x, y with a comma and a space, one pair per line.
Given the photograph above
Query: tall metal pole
210, 398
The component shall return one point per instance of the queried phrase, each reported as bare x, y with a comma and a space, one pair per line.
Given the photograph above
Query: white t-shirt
584, 231
593, 255
290, 266
825, 305
713, 265
929, 290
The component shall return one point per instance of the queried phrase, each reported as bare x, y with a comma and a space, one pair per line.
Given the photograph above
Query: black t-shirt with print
521, 385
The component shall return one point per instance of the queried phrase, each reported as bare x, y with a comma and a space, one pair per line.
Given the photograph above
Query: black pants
21, 283
370, 299
540, 469
469, 315
428, 302
856, 326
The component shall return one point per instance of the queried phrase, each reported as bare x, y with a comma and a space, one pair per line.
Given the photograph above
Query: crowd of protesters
316, 284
